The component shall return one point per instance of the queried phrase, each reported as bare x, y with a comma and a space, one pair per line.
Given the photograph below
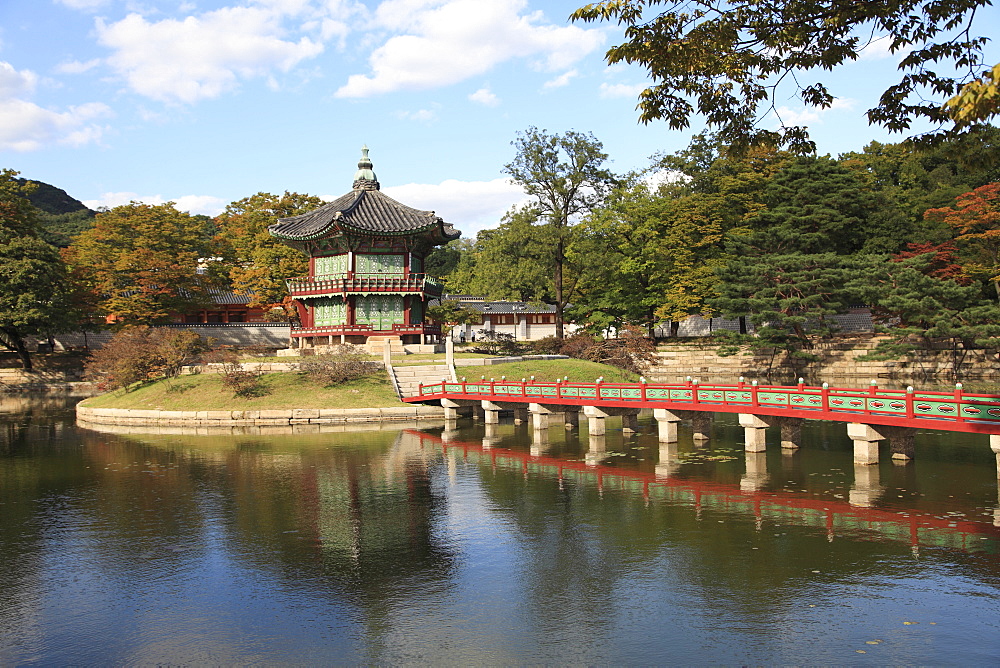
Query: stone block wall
838, 357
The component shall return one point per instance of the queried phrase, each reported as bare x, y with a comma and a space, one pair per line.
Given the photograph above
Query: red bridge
873, 414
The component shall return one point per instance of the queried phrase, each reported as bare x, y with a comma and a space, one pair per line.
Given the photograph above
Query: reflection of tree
351, 513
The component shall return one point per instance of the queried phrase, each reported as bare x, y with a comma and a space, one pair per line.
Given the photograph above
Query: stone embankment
838, 357
18, 381
295, 416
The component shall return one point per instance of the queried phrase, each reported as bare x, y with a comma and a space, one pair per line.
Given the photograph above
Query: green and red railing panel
955, 411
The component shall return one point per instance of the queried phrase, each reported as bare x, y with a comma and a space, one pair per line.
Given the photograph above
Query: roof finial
364, 178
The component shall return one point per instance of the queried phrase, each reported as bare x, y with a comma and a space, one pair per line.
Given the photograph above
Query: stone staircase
375, 345
410, 377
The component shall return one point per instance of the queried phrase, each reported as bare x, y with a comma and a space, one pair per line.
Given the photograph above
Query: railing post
958, 403
909, 401
642, 389
753, 394
694, 391
825, 394
741, 383
802, 383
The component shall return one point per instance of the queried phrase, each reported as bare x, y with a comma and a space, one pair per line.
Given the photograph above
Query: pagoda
366, 279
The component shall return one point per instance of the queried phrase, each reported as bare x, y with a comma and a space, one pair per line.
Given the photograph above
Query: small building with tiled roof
524, 321
366, 276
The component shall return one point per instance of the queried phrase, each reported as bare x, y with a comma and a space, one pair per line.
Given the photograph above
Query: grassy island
205, 392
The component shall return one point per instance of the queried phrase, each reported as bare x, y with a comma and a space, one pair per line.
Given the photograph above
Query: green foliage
788, 298
36, 295
141, 262
513, 261
137, 355
813, 205
497, 344
346, 363
450, 313
727, 61
565, 175
917, 308
258, 264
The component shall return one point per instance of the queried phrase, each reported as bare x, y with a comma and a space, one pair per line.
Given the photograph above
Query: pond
468, 546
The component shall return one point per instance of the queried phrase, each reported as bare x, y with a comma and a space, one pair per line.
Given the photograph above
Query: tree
813, 206
142, 262
140, 354
565, 176
978, 100
915, 307
259, 263
450, 312
976, 219
789, 298
36, 294
513, 261
725, 60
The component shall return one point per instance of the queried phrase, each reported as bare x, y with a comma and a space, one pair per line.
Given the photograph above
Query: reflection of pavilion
781, 507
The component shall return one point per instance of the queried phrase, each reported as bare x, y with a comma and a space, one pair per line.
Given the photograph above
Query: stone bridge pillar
539, 416
666, 425
595, 420
866, 440
995, 447
791, 433
520, 415
491, 410
754, 430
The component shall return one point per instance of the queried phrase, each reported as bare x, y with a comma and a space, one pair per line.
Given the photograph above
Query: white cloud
77, 67
26, 126
14, 83
203, 56
447, 41
561, 80
194, 204
806, 115
485, 97
422, 115
608, 91
85, 5
468, 205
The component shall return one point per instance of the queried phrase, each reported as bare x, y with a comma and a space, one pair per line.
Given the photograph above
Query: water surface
470, 546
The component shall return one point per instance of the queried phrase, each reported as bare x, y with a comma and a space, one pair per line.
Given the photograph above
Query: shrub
343, 364
550, 345
142, 354
243, 382
632, 351
499, 344
576, 346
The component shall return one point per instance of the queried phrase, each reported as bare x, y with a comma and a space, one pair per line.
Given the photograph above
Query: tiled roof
487, 307
365, 211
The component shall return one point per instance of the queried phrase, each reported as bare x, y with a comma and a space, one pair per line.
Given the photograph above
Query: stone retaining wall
295, 416
838, 357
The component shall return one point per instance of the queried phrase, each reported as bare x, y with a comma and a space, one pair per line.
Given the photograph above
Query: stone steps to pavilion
409, 378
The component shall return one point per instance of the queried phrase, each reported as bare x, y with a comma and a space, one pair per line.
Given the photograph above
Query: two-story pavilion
366, 276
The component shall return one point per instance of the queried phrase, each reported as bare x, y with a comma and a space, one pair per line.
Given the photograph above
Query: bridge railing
841, 403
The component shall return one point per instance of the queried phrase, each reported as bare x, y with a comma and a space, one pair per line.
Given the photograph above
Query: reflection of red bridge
948, 411
780, 507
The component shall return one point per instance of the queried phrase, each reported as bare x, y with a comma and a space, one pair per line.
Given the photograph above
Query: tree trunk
675, 328
12, 340
557, 279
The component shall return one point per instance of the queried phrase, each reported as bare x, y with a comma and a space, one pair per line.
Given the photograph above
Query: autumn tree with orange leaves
976, 219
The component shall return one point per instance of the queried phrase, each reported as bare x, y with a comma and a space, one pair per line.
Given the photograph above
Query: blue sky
206, 102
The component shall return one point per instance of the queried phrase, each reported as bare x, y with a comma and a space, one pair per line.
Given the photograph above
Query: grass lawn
548, 371
204, 392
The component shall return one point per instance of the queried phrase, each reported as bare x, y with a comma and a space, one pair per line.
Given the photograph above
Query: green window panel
380, 264
416, 311
331, 264
329, 311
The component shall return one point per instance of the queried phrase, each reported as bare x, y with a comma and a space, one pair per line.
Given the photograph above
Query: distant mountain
53, 200
62, 217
